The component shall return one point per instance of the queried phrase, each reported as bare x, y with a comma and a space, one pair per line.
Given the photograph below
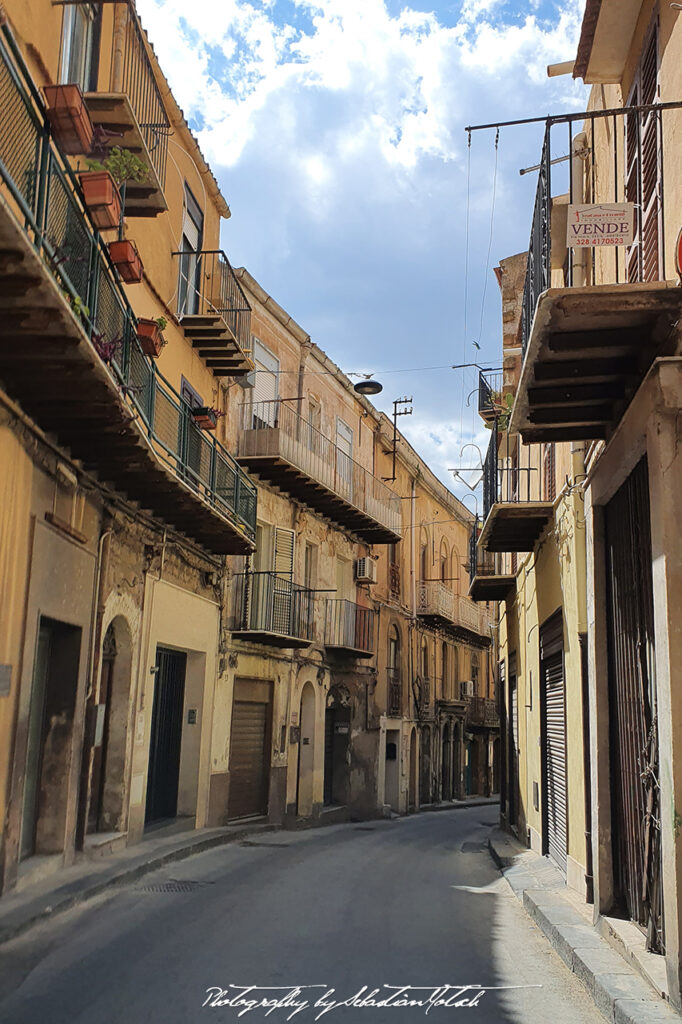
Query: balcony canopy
286, 450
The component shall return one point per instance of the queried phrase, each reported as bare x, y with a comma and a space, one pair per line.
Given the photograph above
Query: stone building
587, 561
178, 642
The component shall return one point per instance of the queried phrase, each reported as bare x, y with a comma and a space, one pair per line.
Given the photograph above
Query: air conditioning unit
466, 688
365, 570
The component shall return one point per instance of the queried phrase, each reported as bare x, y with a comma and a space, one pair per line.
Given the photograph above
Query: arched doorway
412, 784
456, 789
446, 764
109, 711
336, 740
306, 752
425, 767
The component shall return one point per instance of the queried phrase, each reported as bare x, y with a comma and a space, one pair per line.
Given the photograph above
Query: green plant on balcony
502, 408
123, 166
150, 336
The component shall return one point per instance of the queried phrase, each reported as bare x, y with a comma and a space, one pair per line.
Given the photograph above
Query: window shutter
643, 170
284, 552
265, 388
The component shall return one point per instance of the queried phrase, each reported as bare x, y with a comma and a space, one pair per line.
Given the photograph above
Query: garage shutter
554, 736
249, 768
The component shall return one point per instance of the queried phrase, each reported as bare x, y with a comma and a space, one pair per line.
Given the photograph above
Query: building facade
585, 557
226, 590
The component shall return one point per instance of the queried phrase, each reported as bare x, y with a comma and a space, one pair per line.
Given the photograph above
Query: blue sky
336, 131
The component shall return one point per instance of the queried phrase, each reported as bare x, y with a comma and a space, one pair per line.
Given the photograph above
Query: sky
335, 129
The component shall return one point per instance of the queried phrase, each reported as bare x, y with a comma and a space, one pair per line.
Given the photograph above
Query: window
475, 672
310, 566
425, 659
393, 572
189, 283
394, 648
344, 457
314, 425
643, 169
80, 44
443, 562
446, 671
265, 391
191, 439
344, 578
549, 473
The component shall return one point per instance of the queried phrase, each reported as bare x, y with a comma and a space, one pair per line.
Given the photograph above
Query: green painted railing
46, 195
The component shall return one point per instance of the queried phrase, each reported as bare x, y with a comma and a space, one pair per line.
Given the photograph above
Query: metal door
553, 727
632, 706
513, 736
249, 763
166, 735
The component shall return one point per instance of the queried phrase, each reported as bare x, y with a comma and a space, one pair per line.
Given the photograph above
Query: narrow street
415, 901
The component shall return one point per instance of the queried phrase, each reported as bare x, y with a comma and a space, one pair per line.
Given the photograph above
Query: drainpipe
579, 151
118, 46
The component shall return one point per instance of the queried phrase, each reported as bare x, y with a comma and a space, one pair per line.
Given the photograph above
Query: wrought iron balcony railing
491, 573
482, 711
270, 608
349, 627
43, 207
621, 156
284, 448
210, 299
395, 692
490, 394
436, 600
517, 494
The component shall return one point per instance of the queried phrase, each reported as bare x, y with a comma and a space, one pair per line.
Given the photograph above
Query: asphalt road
413, 902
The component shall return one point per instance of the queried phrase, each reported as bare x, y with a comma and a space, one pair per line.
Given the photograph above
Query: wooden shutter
282, 596
284, 552
643, 167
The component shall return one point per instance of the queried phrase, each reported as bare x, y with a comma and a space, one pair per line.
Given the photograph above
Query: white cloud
335, 128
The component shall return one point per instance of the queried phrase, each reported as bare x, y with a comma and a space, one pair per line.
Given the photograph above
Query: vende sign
605, 224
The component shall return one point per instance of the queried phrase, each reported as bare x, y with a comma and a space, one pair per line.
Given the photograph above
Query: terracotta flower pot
101, 197
69, 118
205, 417
126, 259
150, 337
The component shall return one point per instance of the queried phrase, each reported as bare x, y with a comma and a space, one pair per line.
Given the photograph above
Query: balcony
422, 698
270, 609
491, 575
127, 104
490, 395
437, 604
70, 354
214, 312
394, 700
516, 507
482, 712
284, 449
596, 315
349, 628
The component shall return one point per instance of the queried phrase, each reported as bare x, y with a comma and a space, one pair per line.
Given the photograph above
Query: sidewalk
617, 986
19, 911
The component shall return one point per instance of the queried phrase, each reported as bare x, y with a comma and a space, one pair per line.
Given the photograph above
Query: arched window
444, 566
475, 671
393, 648
425, 658
455, 571
423, 562
446, 671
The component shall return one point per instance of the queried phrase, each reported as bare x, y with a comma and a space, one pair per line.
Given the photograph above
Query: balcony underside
588, 351
491, 588
261, 636
48, 365
114, 112
316, 496
347, 649
515, 526
216, 345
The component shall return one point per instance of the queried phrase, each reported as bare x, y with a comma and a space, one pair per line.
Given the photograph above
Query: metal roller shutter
555, 757
248, 761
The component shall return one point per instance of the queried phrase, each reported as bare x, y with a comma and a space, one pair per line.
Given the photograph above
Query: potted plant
126, 259
150, 336
69, 118
206, 416
101, 197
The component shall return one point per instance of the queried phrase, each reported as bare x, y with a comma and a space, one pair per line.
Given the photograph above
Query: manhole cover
172, 885
472, 847
249, 842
